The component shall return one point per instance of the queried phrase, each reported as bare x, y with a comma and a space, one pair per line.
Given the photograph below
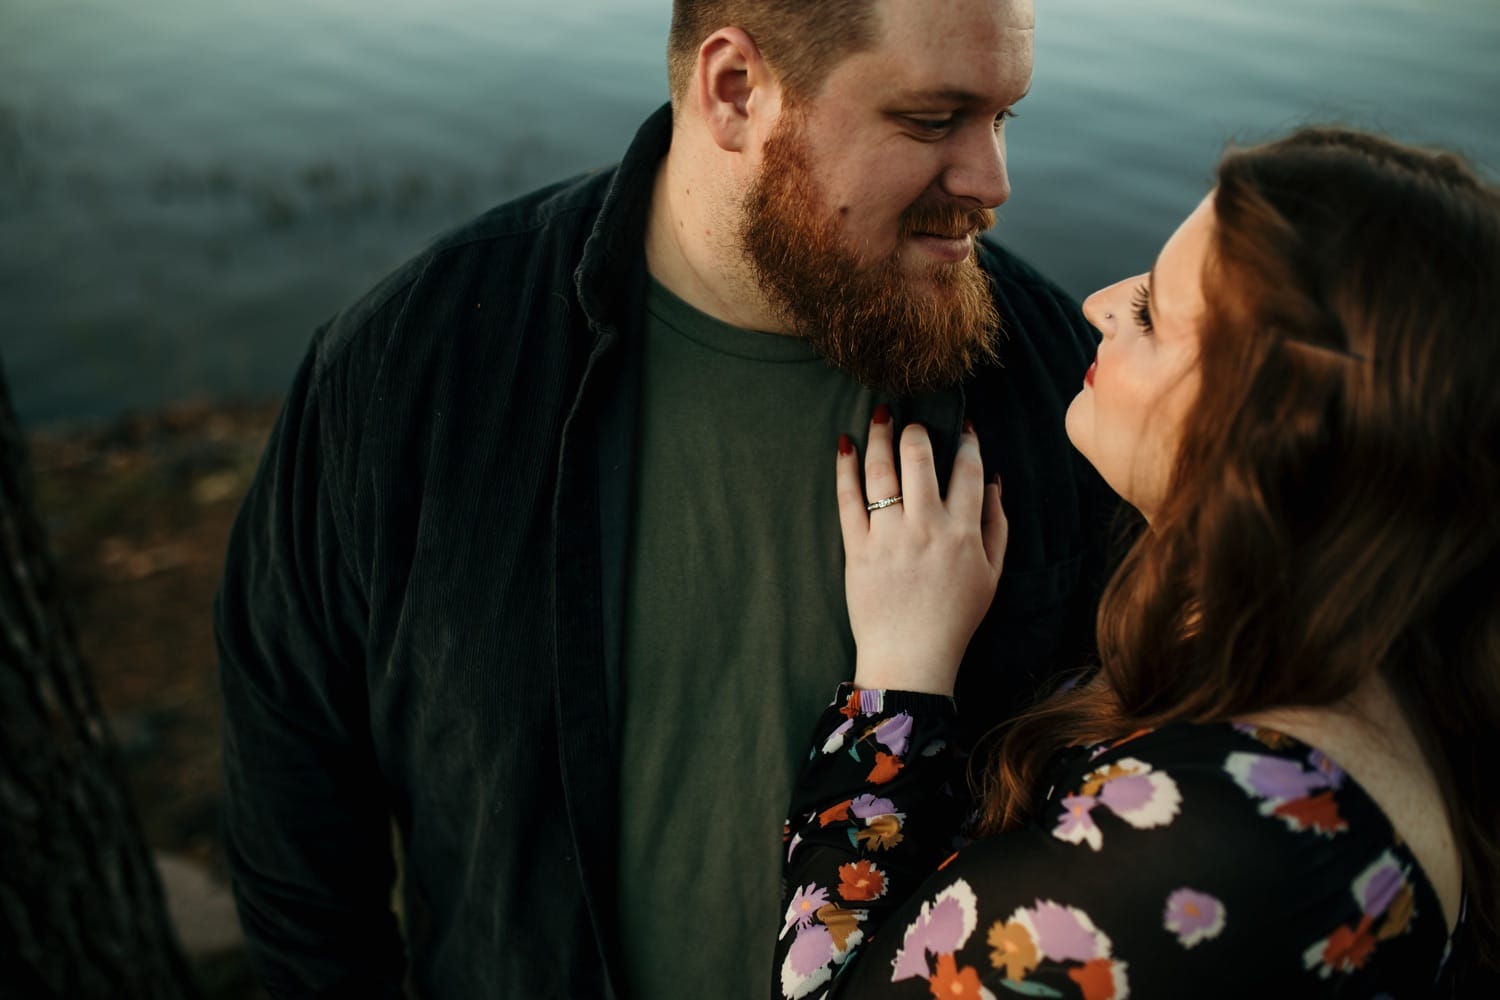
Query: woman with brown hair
1272, 783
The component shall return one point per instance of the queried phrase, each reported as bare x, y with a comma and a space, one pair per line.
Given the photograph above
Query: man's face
861, 221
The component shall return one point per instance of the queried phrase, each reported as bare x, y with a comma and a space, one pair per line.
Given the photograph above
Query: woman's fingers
994, 526
880, 463
966, 483
854, 522
918, 474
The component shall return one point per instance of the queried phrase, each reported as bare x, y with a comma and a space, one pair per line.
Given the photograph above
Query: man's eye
1003, 117
933, 125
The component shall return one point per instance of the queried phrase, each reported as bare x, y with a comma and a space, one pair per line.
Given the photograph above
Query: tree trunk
81, 908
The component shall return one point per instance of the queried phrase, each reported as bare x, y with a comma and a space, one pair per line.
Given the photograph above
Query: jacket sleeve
871, 816
306, 825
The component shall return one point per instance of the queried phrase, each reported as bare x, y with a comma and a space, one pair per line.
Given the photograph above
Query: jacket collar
612, 255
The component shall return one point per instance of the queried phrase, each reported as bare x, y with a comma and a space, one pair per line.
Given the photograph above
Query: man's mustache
946, 220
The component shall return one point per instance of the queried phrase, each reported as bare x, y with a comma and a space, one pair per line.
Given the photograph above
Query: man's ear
734, 85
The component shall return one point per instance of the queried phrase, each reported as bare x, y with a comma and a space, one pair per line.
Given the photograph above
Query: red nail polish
969, 426
882, 414
846, 447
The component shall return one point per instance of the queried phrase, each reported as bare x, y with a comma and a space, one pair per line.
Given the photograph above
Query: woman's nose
1096, 310
1107, 308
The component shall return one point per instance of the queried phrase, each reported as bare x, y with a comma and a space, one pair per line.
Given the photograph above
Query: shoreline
137, 512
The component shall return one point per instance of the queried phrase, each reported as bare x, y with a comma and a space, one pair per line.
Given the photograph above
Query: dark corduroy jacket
420, 615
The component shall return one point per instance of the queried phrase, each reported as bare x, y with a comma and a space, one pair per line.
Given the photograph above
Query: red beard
891, 326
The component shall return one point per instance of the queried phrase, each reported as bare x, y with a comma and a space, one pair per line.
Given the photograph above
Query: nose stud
1109, 315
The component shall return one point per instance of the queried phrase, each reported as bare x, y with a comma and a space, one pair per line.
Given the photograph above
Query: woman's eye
1140, 304
1003, 117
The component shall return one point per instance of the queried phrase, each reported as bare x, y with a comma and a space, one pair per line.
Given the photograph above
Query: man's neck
692, 250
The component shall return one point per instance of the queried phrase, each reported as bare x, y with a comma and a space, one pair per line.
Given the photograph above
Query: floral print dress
1188, 861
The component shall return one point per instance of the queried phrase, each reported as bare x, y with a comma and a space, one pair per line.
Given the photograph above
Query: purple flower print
812, 950
869, 806
894, 733
806, 902
941, 927
1076, 824
1303, 799
1063, 933
1275, 777
1193, 916
808, 963
1127, 794
1379, 885
836, 738
1129, 789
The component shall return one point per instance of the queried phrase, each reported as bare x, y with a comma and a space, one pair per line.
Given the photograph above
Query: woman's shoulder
1218, 859
1245, 794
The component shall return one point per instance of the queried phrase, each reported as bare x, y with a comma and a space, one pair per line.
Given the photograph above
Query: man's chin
935, 283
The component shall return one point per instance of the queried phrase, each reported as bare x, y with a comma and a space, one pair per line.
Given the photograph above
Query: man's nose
978, 171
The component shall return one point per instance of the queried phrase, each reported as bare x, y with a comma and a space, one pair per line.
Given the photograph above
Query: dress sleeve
872, 814
306, 825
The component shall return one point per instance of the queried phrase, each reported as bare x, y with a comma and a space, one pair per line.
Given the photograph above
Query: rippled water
187, 188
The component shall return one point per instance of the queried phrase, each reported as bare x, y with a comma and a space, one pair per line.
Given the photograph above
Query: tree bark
82, 912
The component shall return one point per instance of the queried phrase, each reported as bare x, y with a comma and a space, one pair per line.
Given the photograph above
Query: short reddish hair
801, 40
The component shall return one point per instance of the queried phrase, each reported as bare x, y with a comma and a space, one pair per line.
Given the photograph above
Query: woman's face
1128, 419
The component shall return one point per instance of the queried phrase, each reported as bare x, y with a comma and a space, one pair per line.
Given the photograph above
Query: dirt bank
138, 514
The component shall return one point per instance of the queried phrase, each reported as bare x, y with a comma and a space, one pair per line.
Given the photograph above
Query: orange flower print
1303, 796
1318, 812
1398, 917
950, 982
1095, 979
861, 881
1270, 737
1385, 895
1348, 948
835, 814
843, 925
882, 832
1013, 950
886, 767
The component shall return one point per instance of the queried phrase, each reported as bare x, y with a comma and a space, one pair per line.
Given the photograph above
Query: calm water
187, 188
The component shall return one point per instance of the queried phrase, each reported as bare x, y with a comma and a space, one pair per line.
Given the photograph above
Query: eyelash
935, 125
1140, 304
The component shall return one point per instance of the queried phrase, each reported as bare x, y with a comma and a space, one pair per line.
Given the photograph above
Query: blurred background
188, 188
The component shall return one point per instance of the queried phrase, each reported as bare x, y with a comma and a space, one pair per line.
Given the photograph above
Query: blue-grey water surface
187, 187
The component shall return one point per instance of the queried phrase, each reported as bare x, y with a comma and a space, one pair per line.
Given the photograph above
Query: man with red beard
546, 538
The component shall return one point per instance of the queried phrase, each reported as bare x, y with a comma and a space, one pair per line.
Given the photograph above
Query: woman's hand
919, 574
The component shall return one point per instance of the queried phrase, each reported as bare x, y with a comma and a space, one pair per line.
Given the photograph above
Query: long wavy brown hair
1334, 509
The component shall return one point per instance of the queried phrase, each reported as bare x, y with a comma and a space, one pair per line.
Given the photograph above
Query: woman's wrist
922, 674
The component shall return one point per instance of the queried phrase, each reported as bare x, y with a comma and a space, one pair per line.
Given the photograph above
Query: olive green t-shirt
736, 635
